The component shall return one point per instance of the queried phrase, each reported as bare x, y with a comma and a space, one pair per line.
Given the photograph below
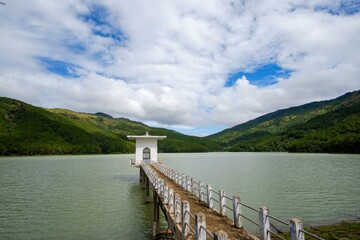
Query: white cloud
172, 67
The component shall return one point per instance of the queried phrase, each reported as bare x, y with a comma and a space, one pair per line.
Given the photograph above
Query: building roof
146, 136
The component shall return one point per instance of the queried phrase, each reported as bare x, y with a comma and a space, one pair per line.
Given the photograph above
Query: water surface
99, 197
71, 197
318, 188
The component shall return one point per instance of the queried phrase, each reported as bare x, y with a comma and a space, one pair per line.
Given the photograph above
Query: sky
196, 67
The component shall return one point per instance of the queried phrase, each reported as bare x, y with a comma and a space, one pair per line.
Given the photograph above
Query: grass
341, 231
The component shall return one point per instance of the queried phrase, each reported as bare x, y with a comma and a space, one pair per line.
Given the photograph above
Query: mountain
331, 126
175, 141
30, 130
328, 126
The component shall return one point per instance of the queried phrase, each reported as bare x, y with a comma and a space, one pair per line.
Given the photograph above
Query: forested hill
328, 126
331, 126
30, 130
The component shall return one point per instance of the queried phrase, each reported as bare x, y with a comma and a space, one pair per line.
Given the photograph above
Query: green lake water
99, 197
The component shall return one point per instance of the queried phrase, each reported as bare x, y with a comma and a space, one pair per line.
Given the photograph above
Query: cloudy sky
194, 66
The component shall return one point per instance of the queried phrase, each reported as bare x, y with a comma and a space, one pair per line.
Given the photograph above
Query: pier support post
156, 214
220, 235
141, 176
200, 226
201, 191
237, 212
264, 224
185, 219
222, 203
209, 196
147, 190
295, 226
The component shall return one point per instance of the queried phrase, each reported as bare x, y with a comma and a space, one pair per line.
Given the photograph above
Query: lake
99, 197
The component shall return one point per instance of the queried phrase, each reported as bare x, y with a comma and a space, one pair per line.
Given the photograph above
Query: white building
146, 147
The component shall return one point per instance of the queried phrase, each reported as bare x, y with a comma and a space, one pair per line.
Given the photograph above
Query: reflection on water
99, 197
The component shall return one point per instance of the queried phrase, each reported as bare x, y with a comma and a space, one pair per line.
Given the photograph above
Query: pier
194, 210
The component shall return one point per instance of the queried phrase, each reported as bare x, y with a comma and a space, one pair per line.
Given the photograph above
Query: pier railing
205, 193
180, 210
132, 162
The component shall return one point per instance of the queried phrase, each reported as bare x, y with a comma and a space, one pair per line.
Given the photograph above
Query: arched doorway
146, 155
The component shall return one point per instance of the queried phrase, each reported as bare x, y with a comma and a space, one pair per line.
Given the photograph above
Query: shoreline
344, 230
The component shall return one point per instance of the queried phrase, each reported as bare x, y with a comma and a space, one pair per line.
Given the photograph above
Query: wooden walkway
187, 216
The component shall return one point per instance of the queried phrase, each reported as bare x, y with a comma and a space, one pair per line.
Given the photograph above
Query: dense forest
30, 130
331, 126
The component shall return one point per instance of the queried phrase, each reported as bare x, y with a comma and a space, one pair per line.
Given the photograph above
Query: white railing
205, 193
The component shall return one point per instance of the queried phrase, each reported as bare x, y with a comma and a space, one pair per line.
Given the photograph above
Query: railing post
264, 224
201, 191
193, 182
220, 235
166, 194
185, 219
209, 196
156, 182
222, 203
171, 200
184, 182
177, 208
200, 226
161, 187
296, 226
188, 187
237, 212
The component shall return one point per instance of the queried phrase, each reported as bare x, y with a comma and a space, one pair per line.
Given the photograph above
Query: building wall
143, 143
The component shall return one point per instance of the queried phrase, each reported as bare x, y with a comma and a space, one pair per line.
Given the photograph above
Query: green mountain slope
29, 130
175, 142
326, 126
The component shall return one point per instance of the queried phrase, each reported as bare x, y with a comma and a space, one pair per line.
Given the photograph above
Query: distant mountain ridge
30, 130
328, 126
325, 126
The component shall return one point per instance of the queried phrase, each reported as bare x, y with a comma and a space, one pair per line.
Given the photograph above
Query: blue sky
193, 66
261, 76
64, 69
